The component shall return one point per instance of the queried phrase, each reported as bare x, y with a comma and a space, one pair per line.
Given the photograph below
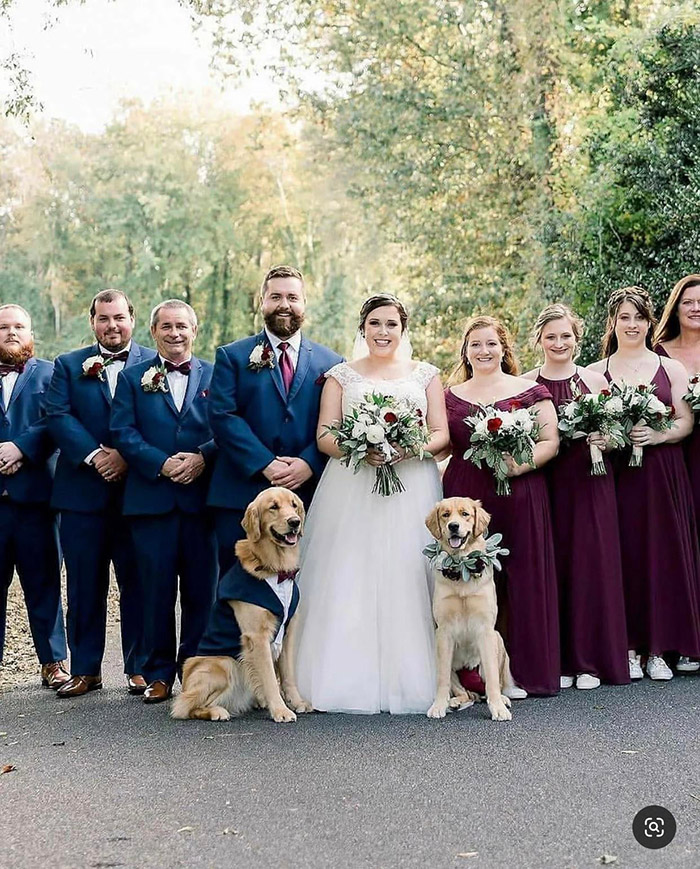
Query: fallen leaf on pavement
607, 859
7, 768
468, 854
186, 830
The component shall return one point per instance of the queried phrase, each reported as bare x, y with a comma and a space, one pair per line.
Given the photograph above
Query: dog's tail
202, 685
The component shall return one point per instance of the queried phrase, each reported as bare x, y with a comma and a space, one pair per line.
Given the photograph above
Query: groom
263, 408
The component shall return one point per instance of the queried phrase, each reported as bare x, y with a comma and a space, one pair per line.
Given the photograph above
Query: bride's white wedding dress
366, 634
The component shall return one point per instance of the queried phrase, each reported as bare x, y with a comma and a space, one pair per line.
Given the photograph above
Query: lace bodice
412, 387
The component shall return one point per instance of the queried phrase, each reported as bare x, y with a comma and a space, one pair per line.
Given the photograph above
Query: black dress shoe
157, 692
135, 684
76, 686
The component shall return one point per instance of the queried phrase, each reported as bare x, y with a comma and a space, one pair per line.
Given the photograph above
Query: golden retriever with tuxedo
465, 614
216, 686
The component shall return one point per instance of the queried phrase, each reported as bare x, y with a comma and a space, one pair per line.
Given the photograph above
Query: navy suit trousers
171, 546
29, 543
90, 542
228, 531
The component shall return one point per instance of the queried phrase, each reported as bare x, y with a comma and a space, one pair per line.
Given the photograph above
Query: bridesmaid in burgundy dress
660, 559
678, 337
529, 615
584, 522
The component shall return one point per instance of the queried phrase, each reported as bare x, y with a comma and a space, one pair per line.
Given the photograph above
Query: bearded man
263, 408
28, 531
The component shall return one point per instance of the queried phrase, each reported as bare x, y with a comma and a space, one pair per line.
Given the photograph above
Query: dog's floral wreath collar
469, 565
261, 356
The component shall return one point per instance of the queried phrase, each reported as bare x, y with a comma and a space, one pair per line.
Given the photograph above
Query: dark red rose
515, 404
494, 424
267, 352
605, 392
94, 369
419, 412
390, 417
642, 387
673, 410
158, 377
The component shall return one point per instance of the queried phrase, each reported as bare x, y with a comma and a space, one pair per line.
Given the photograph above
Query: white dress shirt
8, 384
111, 372
284, 591
294, 342
177, 383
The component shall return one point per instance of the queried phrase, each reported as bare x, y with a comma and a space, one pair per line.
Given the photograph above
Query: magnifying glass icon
653, 827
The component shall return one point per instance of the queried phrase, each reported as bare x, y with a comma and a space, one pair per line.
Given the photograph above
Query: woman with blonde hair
528, 615
658, 537
584, 521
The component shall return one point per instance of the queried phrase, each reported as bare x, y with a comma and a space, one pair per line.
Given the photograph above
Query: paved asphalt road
105, 781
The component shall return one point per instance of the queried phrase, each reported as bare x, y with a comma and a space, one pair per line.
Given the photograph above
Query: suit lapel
22, 380
275, 372
193, 381
303, 362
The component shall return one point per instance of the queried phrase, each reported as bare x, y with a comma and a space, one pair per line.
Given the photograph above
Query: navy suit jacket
78, 409
223, 634
23, 422
254, 420
147, 429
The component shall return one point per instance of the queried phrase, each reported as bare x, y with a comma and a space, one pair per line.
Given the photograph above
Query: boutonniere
204, 393
261, 357
155, 379
466, 565
94, 366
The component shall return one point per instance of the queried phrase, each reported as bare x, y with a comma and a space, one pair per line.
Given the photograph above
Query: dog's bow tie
286, 574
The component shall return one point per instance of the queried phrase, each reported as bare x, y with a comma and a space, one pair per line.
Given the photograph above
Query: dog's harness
466, 566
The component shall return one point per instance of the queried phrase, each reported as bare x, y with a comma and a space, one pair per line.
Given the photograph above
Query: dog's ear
251, 522
302, 515
432, 522
481, 519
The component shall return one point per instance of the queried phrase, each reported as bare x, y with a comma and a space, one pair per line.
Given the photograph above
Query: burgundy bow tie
286, 574
9, 368
183, 367
122, 356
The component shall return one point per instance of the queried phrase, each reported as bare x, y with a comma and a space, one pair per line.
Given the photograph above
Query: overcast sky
101, 52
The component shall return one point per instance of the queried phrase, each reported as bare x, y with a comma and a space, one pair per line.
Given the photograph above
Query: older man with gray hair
160, 425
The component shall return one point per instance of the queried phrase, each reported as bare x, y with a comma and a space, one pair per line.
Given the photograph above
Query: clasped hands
10, 458
288, 471
109, 464
376, 458
183, 468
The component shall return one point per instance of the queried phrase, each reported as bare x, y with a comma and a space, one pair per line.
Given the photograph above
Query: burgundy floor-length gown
691, 450
592, 626
528, 616
658, 539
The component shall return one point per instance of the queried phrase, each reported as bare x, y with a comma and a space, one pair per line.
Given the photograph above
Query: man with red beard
28, 533
88, 491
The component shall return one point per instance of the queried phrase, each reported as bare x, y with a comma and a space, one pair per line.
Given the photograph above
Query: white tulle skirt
367, 638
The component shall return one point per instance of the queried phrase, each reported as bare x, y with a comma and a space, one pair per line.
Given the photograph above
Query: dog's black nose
453, 526
294, 523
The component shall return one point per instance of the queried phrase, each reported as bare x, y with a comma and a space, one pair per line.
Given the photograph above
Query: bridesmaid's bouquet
381, 422
588, 413
495, 432
641, 407
692, 396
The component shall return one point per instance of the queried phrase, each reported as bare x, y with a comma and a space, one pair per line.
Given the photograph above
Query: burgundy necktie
122, 356
286, 366
8, 368
286, 574
183, 367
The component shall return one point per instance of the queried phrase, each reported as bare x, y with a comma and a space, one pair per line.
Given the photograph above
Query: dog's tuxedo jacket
223, 635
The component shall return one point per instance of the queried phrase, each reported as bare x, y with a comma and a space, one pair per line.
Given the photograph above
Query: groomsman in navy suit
161, 426
28, 531
88, 491
265, 397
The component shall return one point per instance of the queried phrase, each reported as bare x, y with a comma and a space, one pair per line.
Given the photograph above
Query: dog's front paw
218, 713
282, 714
301, 706
465, 698
499, 711
437, 710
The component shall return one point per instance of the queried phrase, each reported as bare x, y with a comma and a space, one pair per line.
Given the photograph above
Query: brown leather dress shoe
157, 692
54, 675
76, 686
135, 684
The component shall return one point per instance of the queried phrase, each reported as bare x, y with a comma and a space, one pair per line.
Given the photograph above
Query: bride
366, 628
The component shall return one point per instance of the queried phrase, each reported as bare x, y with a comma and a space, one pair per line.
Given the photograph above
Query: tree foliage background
473, 157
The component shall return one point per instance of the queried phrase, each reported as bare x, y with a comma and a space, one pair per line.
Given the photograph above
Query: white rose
148, 376
375, 434
614, 405
480, 428
570, 410
695, 391
656, 405
90, 361
359, 429
508, 419
256, 356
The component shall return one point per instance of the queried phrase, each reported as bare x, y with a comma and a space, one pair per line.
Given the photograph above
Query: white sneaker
586, 681
657, 668
515, 693
634, 661
566, 681
685, 665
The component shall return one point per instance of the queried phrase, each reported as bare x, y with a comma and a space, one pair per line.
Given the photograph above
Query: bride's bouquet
588, 413
381, 422
641, 407
692, 396
495, 432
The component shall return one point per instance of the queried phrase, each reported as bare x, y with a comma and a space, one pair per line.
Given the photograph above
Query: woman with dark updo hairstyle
366, 634
528, 611
658, 537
